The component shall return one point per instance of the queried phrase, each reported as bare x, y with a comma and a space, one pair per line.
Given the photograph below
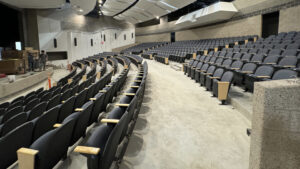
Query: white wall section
66, 25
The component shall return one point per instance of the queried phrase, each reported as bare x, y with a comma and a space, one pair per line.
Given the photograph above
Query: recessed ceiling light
157, 17
80, 10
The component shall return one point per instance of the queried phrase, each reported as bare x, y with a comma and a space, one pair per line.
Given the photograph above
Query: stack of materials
15, 62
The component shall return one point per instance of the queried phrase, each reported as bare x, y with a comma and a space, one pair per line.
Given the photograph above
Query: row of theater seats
219, 67
107, 144
181, 50
137, 49
38, 132
28, 107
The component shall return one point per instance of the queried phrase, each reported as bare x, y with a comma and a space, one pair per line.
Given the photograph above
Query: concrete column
275, 138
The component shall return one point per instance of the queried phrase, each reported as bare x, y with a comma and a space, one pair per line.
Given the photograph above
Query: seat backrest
66, 95
11, 113
204, 67
246, 57
195, 64
53, 145
29, 95
74, 90
37, 111
288, 61
237, 64
271, 60
12, 141
31, 104
284, 74
289, 52
227, 76
264, 71
293, 46
81, 121
80, 98
17, 99
275, 52
54, 101
45, 122
229, 55
199, 65
90, 91
15, 104
237, 56
112, 142
218, 73
211, 69
249, 67
4, 105
66, 109
258, 58
227, 62
82, 86
219, 61
13, 123
46, 97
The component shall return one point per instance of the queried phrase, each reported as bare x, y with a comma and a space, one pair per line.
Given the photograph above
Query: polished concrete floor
182, 127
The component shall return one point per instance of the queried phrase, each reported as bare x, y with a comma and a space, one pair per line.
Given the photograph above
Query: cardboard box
12, 66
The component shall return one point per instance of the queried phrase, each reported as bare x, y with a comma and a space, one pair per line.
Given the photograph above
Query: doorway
173, 37
270, 24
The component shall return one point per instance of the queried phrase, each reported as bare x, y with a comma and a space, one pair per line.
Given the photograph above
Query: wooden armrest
291, 66
223, 88
134, 86
139, 81
214, 77
110, 121
87, 150
193, 68
235, 68
221, 82
102, 91
122, 105
109, 85
248, 72
26, 158
263, 76
93, 99
207, 73
270, 63
129, 94
78, 109
56, 125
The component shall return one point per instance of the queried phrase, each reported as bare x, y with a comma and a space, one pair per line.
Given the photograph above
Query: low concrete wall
164, 37
275, 137
7, 89
124, 47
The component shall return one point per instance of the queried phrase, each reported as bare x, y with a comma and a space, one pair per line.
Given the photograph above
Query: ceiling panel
146, 10
113, 7
39, 4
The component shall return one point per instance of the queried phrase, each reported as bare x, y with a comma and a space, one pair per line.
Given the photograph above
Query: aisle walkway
182, 127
